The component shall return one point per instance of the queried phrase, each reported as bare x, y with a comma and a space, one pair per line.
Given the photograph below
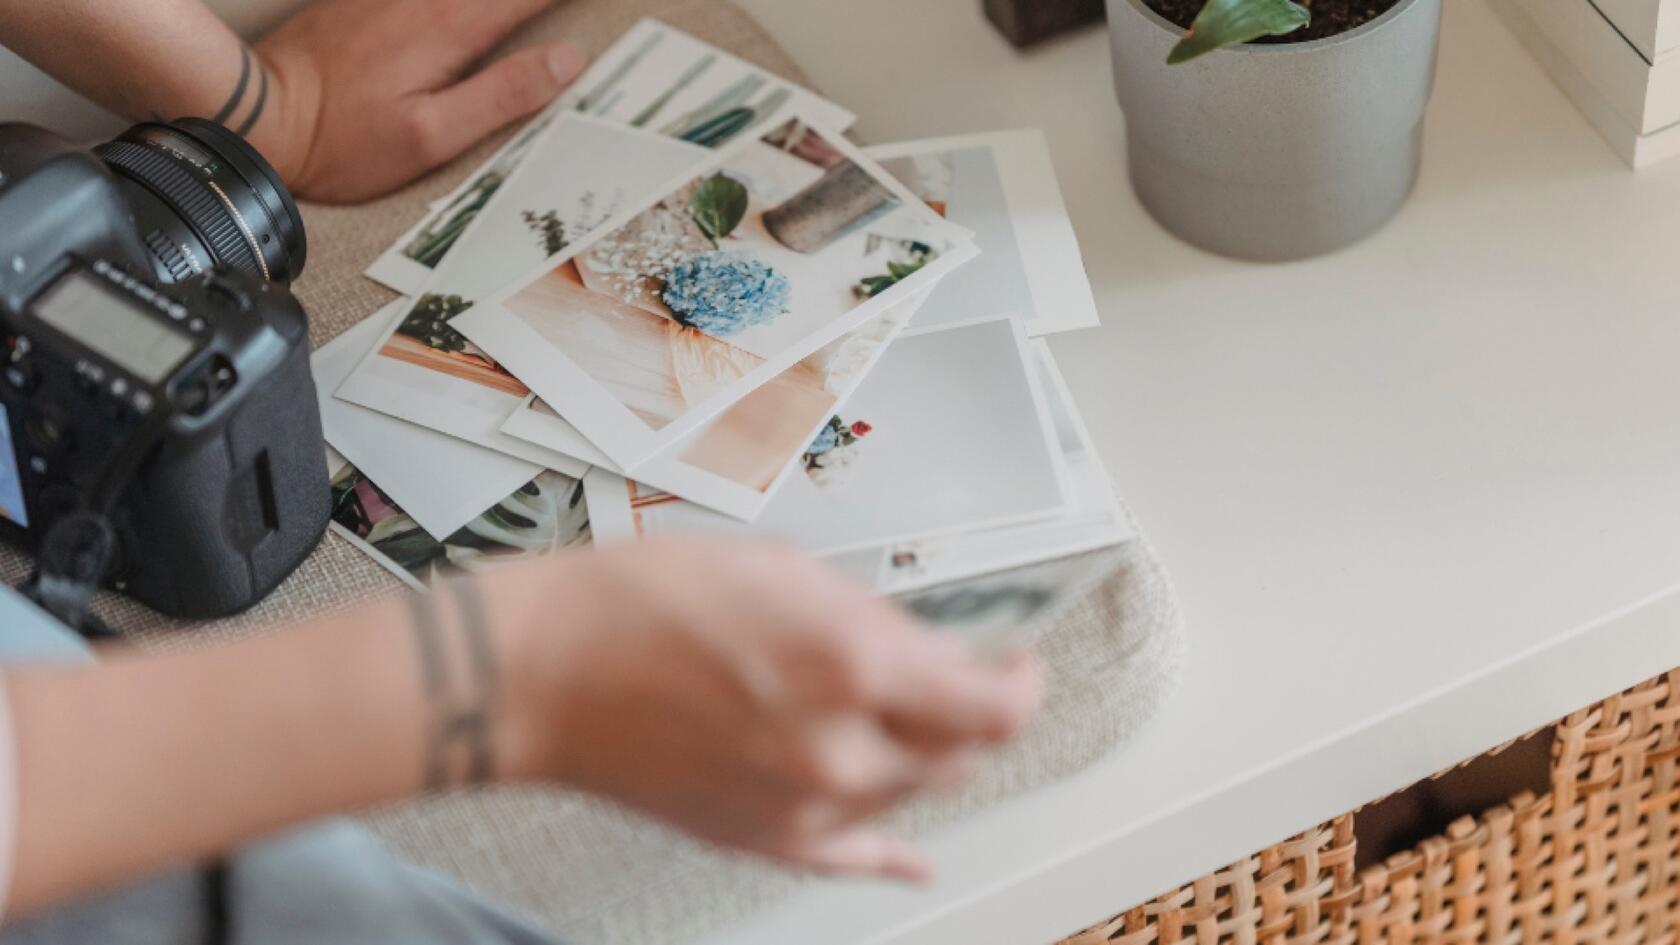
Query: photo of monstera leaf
546, 515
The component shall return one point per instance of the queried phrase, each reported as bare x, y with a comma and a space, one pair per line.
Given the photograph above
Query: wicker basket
1594, 859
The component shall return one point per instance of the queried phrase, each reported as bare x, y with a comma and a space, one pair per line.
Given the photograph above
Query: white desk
1418, 498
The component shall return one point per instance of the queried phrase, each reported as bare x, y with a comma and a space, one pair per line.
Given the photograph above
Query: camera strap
78, 549
69, 568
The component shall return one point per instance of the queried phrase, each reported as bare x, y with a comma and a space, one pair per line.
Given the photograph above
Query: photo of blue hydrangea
727, 285
724, 292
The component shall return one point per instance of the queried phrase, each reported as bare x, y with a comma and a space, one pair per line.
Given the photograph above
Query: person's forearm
742, 692
144, 59
138, 764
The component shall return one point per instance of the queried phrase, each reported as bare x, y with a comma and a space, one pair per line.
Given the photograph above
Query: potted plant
1266, 130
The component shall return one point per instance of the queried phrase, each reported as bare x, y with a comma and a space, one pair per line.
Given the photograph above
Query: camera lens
204, 198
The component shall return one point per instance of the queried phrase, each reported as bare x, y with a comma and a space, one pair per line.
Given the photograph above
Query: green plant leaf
1230, 22
875, 285
719, 206
901, 271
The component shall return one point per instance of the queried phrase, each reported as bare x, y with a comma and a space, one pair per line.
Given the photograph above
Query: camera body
117, 337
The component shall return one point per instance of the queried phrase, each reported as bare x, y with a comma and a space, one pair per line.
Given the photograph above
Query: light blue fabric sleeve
29, 634
329, 884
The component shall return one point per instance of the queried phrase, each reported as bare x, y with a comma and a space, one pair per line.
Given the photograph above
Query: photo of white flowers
734, 275
655, 79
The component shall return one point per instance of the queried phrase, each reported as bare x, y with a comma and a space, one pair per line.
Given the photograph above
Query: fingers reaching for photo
503, 92
458, 33
950, 697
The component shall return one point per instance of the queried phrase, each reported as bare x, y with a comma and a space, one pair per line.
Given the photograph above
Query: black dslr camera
159, 430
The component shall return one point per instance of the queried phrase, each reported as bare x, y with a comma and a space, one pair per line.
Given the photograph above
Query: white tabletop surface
1418, 497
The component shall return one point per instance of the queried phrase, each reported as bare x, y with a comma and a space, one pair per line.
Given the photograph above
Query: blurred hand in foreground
751, 696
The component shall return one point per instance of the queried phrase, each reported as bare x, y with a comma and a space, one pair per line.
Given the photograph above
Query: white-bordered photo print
735, 463
727, 279
1093, 520
581, 173
655, 78
1006, 610
440, 481
999, 185
949, 434
546, 515
1002, 186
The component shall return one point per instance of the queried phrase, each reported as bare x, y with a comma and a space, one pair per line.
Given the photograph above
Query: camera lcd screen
81, 307
11, 476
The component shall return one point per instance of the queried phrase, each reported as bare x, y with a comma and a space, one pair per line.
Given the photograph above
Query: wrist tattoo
251, 69
462, 689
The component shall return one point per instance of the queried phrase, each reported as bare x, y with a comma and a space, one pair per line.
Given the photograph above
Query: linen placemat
580, 866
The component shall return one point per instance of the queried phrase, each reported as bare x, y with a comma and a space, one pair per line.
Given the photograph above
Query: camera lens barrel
202, 197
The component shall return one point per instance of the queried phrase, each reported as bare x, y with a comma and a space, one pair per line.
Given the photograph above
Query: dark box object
1025, 22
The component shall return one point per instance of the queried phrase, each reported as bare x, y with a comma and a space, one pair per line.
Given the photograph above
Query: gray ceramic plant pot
1277, 151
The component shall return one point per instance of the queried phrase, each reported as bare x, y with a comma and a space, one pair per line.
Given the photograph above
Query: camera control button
177, 311
225, 295
221, 377
194, 397
90, 378
49, 431
22, 377
196, 324
38, 465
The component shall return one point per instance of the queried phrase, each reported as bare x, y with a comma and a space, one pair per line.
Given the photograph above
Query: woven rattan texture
1596, 859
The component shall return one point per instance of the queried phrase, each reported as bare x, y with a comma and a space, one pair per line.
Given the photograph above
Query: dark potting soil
1329, 17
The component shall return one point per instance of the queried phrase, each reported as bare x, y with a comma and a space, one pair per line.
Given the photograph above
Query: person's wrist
530, 637
286, 134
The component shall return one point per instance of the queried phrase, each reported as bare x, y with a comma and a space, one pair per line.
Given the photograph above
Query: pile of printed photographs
681, 301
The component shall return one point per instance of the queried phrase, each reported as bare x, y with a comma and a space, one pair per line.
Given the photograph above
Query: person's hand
371, 94
750, 696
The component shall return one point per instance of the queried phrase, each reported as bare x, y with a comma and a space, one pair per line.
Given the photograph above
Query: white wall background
28, 95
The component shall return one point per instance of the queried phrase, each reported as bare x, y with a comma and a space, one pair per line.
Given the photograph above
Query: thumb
511, 88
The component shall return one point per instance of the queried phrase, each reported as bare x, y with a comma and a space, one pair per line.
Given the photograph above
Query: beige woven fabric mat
581, 867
